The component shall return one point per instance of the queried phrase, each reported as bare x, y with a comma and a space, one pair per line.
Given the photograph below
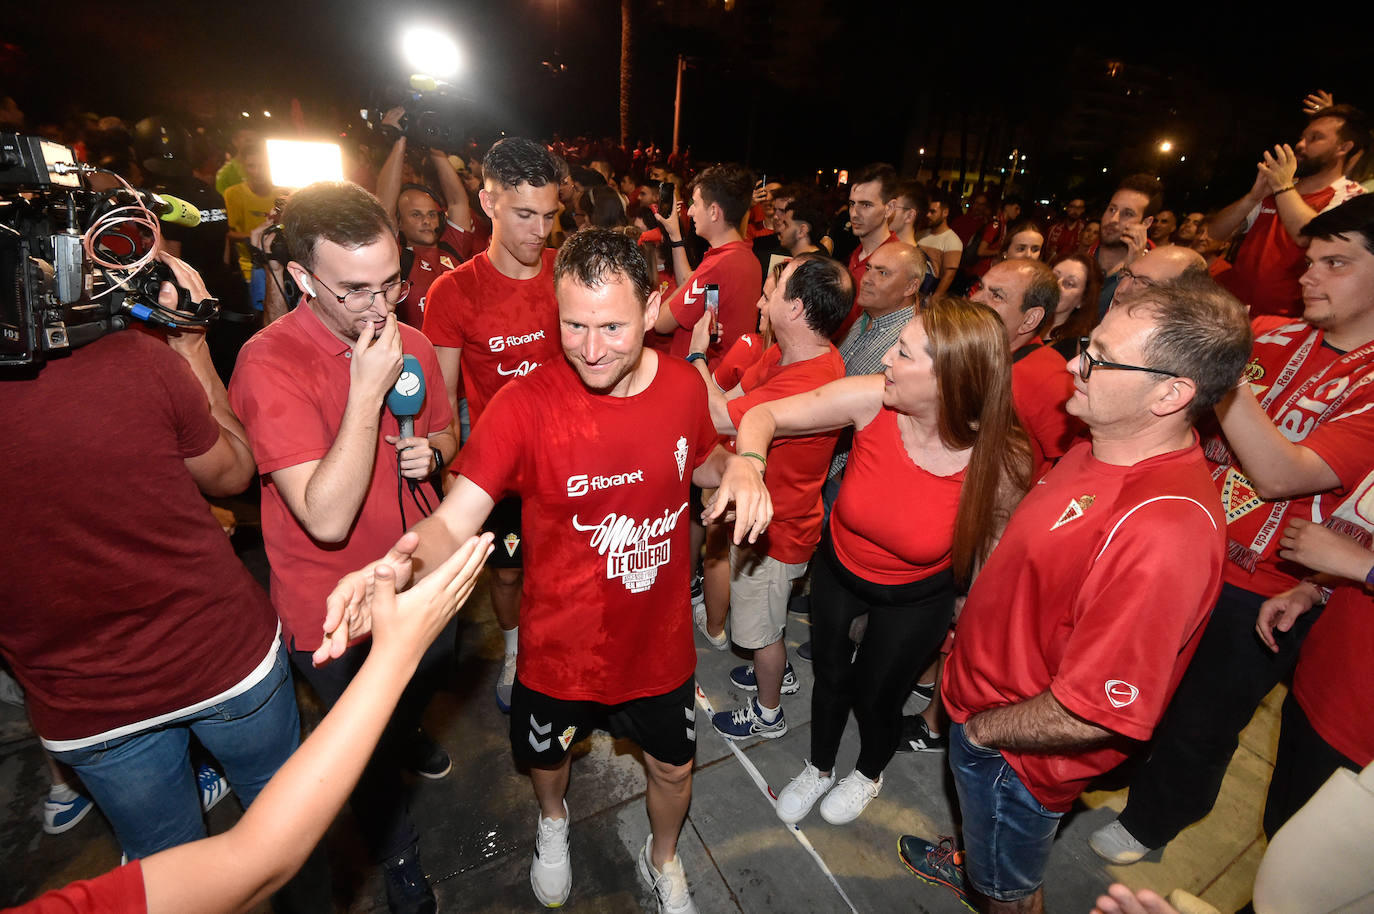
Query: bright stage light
430, 52
293, 163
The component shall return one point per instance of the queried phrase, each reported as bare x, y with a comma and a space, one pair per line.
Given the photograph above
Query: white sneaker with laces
719, 642
801, 793
505, 682
1113, 843
669, 884
850, 798
551, 869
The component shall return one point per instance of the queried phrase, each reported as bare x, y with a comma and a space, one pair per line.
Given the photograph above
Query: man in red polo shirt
872, 193
495, 319
1292, 186
310, 391
809, 300
1084, 618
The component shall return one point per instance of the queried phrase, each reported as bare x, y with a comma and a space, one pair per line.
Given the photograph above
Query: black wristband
694, 356
680, 243
438, 461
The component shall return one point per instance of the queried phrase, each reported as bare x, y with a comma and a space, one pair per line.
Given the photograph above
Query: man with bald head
1157, 266
1024, 293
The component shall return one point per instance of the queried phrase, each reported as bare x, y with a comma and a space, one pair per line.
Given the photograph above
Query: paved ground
477, 824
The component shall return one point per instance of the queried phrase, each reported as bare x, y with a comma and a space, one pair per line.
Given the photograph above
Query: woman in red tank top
937, 465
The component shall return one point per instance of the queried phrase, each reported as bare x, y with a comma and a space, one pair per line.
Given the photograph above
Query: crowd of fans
1082, 483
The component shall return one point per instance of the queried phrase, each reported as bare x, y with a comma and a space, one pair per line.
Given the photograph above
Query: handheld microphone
174, 210
405, 399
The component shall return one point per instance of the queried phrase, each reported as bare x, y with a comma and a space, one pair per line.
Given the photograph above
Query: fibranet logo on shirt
634, 549
581, 483
501, 343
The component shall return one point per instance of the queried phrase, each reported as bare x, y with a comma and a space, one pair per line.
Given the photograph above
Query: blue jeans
144, 782
1007, 833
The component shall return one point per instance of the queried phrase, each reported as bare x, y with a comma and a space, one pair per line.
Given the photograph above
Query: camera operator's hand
189, 338
376, 363
393, 117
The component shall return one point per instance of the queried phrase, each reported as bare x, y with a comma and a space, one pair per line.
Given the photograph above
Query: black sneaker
799, 604
427, 758
804, 652
916, 736
407, 890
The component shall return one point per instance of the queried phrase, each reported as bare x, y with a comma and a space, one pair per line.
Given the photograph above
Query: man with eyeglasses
1081, 623
1294, 445
310, 390
1156, 266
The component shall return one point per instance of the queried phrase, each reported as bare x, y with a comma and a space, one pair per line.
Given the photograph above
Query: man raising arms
495, 318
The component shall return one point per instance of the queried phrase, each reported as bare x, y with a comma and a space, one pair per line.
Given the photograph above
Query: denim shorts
1007, 833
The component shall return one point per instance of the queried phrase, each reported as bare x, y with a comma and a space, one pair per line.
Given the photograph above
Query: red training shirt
736, 270
431, 262
604, 482
505, 327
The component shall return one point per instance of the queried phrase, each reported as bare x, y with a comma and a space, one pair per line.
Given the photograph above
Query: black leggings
906, 624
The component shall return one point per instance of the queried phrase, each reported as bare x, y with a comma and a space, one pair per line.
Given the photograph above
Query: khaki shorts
759, 589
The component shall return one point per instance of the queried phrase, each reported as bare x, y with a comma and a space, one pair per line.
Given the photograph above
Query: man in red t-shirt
872, 192
1292, 186
1294, 443
436, 234
1085, 615
1024, 293
1062, 237
602, 445
495, 319
310, 389
806, 305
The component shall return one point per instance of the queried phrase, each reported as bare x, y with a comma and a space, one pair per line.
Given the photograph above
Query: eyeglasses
1127, 275
359, 300
1087, 363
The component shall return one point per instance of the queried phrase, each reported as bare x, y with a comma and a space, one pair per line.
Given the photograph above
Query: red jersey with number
797, 465
1269, 262
1098, 592
604, 481
874, 526
1319, 398
430, 262
505, 327
734, 268
1040, 387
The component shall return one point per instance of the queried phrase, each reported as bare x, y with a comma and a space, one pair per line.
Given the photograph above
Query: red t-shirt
432, 261
604, 482
858, 266
1040, 386
871, 524
1098, 591
1269, 262
1334, 682
1286, 355
289, 388
123, 597
747, 350
736, 270
1063, 238
120, 891
505, 327
797, 466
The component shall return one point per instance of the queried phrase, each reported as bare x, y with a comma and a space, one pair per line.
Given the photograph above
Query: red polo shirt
736, 270
289, 388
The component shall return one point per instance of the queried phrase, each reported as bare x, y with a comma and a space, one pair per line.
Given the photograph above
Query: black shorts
504, 523
542, 728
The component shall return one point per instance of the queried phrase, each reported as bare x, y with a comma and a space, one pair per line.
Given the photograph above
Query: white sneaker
669, 884
801, 793
551, 869
1113, 843
719, 642
505, 682
849, 798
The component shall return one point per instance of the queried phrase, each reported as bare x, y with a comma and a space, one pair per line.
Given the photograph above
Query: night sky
791, 85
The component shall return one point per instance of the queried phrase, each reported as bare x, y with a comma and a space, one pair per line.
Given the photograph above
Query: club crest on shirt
446, 262
1075, 510
681, 456
566, 737
1253, 370
512, 542
1238, 496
